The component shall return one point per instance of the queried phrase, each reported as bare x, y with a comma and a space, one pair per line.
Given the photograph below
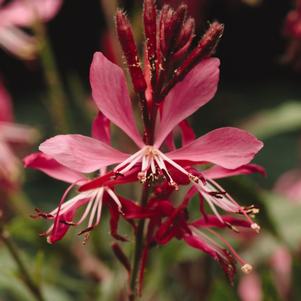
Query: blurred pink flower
281, 263
289, 185
24, 13
292, 31
249, 288
11, 134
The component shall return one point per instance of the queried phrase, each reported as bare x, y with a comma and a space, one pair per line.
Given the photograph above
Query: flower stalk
57, 96
139, 242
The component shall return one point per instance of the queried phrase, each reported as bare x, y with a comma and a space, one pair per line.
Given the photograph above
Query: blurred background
259, 90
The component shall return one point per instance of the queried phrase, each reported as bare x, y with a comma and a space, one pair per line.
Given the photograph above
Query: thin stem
138, 247
57, 97
12, 249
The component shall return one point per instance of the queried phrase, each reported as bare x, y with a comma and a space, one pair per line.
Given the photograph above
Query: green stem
12, 249
57, 97
139, 241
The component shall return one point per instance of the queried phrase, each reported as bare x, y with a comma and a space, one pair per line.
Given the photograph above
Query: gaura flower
11, 135
23, 13
92, 200
227, 147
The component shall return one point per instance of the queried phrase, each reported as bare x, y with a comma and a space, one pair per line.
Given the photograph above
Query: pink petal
25, 13
101, 128
187, 132
199, 244
222, 256
111, 95
52, 168
9, 164
196, 89
214, 221
187, 135
217, 172
81, 153
249, 288
6, 111
17, 133
60, 225
227, 147
18, 42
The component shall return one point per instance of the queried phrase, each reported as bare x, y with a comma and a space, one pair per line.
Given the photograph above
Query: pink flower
93, 200
228, 148
23, 13
11, 134
281, 263
249, 288
289, 185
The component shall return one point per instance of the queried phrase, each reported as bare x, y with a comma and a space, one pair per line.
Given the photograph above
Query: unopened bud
185, 40
205, 48
187, 31
172, 28
150, 27
129, 48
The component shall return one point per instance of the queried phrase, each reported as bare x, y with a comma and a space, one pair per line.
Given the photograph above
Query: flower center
153, 165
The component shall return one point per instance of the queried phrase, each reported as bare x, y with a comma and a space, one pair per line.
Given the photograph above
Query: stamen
193, 178
86, 212
255, 227
115, 198
165, 172
247, 268
241, 209
93, 211
153, 166
128, 160
174, 164
130, 165
100, 195
142, 177
233, 228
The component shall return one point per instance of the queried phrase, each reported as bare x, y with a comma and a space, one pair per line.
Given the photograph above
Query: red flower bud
129, 48
150, 28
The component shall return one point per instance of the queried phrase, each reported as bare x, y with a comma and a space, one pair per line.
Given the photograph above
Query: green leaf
282, 119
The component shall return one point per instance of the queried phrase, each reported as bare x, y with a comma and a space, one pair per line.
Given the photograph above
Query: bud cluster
170, 53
